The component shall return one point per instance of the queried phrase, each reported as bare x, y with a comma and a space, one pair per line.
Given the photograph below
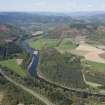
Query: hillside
9, 33
23, 18
63, 69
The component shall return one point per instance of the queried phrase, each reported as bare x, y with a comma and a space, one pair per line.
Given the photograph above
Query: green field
95, 77
91, 84
12, 65
66, 45
95, 72
96, 66
42, 43
94, 102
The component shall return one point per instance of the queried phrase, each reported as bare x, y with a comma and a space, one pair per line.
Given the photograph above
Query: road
77, 90
33, 93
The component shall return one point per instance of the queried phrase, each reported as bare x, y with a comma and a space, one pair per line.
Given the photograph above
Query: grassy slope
95, 103
91, 84
95, 79
12, 65
96, 74
97, 66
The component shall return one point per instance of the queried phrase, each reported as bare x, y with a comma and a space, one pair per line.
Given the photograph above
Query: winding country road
77, 90
33, 93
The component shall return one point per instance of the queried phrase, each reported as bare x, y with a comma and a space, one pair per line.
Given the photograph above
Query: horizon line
50, 11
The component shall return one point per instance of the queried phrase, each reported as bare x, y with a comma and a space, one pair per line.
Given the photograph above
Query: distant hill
9, 32
16, 17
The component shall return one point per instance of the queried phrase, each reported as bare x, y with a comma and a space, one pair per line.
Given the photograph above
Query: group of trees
9, 50
14, 95
10, 31
54, 94
57, 95
27, 59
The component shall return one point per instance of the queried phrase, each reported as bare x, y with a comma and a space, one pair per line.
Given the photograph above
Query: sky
52, 5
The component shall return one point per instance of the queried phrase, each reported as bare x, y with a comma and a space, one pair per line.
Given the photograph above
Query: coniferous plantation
59, 65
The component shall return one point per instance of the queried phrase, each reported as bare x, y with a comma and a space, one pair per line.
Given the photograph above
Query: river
32, 67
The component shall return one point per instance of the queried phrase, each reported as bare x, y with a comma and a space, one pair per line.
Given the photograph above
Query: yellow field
90, 53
